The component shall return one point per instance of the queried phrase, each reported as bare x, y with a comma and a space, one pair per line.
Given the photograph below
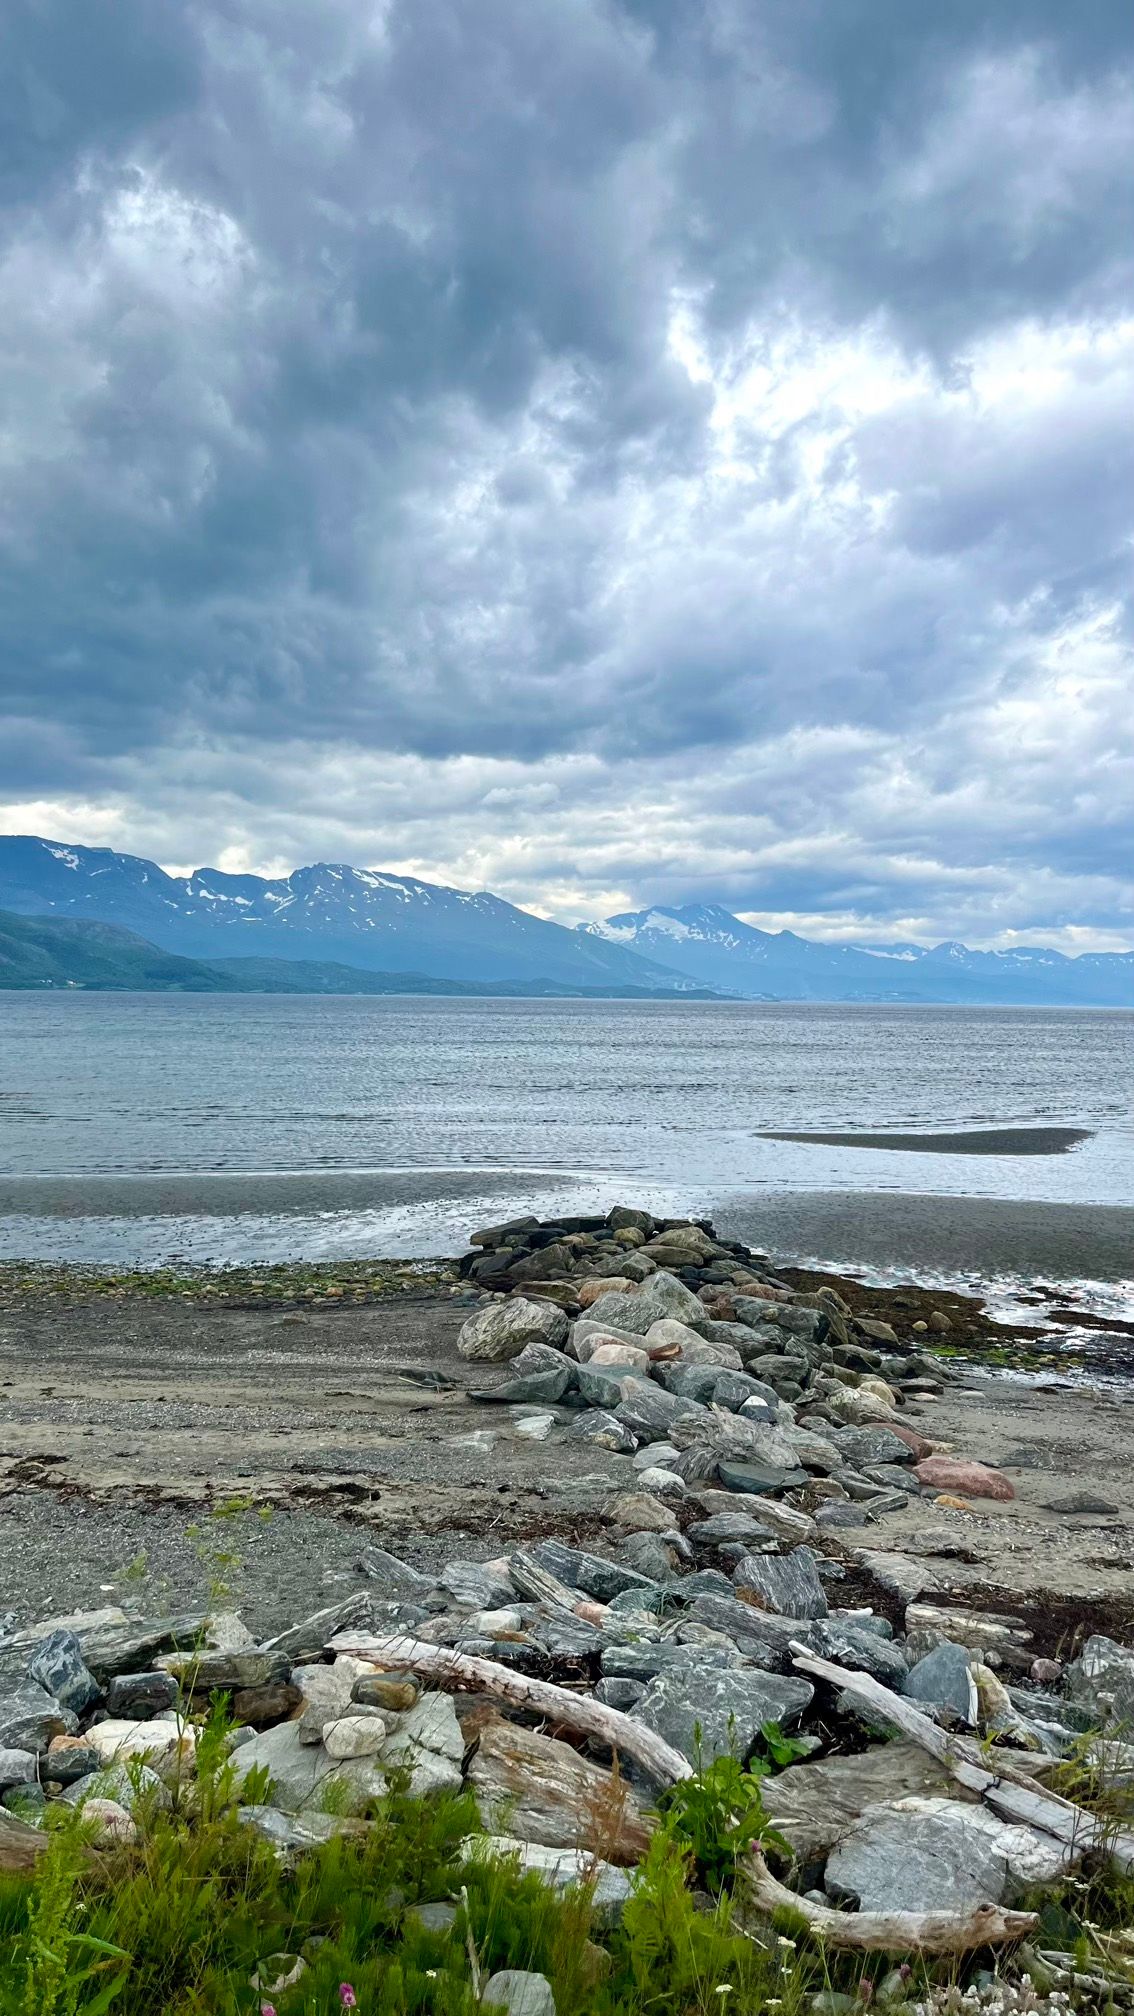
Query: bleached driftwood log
889, 1931
460, 1672
897, 1931
1006, 1791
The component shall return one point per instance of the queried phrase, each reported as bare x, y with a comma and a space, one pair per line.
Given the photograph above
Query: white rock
654, 1456
494, 1623
427, 1741
534, 1427
326, 1693
560, 1868
226, 1632
614, 1353
107, 1823
354, 1736
857, 1406
662, 1483
501, 1331
156, 1742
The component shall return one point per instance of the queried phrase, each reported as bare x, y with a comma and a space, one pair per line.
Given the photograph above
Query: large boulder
787, 1585
542, 1790
1101, 1680
711, 1711
961, 1476
812, 1805
943, 1680
501, 1331
926, 1854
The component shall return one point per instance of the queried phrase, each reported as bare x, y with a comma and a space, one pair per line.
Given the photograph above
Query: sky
658, 451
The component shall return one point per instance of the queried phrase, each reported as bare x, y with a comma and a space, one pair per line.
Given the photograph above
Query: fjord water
139, 1128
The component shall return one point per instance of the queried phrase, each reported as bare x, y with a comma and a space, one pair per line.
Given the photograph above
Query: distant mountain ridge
341, 920
709, 944
327, 913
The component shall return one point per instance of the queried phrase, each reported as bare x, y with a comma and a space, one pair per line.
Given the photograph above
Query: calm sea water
138, 1128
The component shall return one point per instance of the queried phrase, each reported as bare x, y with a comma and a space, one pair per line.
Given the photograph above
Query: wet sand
974, 1141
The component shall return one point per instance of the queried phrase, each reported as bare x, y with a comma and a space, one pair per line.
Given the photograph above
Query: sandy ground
142, 1441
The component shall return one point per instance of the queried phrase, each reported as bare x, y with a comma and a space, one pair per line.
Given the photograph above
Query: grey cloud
606, 390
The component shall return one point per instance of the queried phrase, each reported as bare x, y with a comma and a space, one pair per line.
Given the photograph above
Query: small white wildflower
789, 1943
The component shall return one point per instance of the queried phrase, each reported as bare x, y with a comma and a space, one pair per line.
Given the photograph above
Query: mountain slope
45, 954
717, 949
328, 912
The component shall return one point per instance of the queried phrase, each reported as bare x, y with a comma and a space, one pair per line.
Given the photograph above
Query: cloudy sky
609, 451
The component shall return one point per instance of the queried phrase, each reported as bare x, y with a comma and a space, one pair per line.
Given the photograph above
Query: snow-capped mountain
715, 948
384, 923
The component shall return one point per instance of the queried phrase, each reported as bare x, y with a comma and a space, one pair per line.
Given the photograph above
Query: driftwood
20, 1845
461, 1673
888, 1931
1010, 1793
897, 1931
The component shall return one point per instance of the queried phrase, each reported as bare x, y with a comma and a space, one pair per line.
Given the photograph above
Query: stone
437, 1917
760, 1479
203, 1672
649, 1555
18, 1767
649, 1412
661, 1483
943, 1679
30, 1717
708, 1712
477, 1584
619, 1693
876, 1331
560, 1868
608, 1284
812, 1805
689, 1381
626, 1217
543, 1387
287, 1831
68, 1758
512, 1232
693, 1348
226, 1632
126, 1648
857, 1406
129, 1785
732, 1529
326, 1693
590, 1573
960, 1474
1083, 1501
637, 1512
106, 1824
901, 1575
931, 1854
602, 1385
302, 1774
393, 1691
613, 1352
860, 1448
545, 1791
429, 1745
259, 1706
140, 1695
501, 1331
311, 1637
664, 1295
393, 1574
519, 1993
586, 1334
735, 1390
57, 1666
788, 1585
600, 1428
1101, 1680
354, 1736
157, 1743
859, 1649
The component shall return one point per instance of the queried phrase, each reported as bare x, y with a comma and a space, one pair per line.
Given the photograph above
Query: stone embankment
760, 1426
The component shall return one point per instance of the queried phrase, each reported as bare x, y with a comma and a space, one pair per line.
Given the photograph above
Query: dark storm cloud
645, 395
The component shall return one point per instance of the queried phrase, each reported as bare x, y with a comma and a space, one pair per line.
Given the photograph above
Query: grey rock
923, 1853
586, 1335
689, 1382
536, 1357
618, 1692
1100, 1680
564, 1637
290, 1831
603, 1431
205, 1672
136, 1696
943, 1680
429, 1745
788, 1585
704, 1582
518, 1993
708, 1712
738, 1389
841, 1513
545, 1386
601, 1385
760, 1479
1083, 1501
65, 1766
645, 1662
811, 1805
723, 1529
438, 1917
130, 1786
862, 1448
393, 1574
57, 1666
501, 1331
628, 1218
761, 1637
301, 1772
779, 1370
860, 1651
127, 1648
18, 1767
650, 1555
309, 1638
560, 1868
650, 1413
30, 1717
590, 1572
476, 1586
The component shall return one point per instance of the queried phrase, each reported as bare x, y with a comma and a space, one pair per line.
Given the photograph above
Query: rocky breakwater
687, 1354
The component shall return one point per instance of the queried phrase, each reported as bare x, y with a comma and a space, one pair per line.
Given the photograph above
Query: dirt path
123, 1423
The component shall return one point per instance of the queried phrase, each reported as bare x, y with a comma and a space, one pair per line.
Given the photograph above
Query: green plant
716, 1815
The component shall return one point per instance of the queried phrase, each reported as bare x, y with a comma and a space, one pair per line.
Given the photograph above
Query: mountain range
330, 928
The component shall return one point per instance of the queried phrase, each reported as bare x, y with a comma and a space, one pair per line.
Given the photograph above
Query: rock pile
685, 1352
